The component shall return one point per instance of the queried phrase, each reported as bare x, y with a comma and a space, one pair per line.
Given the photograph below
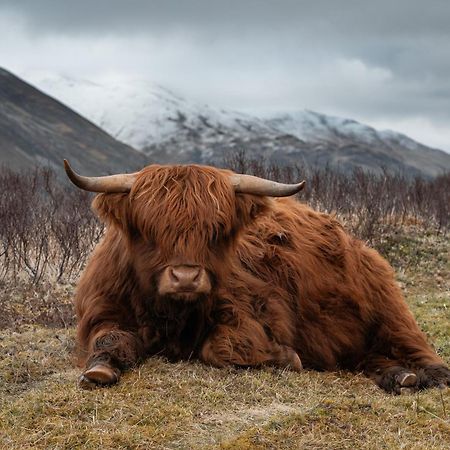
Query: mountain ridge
168, 128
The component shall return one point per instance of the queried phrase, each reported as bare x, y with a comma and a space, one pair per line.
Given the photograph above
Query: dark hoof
98, 375
295, 363
289, 359
399, 380
407, 379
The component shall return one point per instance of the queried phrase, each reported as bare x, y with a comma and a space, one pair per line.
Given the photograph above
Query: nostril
196, 275
173, 275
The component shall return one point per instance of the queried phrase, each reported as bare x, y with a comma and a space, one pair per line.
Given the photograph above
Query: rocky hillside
36, 129
171, 128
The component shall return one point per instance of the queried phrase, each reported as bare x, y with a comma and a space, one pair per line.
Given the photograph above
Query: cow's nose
185, 277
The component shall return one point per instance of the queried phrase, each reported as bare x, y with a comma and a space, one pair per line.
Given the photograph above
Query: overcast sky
385, 63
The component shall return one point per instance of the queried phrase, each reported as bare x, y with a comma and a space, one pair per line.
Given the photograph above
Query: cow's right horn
107, 184
249, 184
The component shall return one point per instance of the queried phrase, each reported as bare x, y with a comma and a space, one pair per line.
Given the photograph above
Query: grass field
190, 405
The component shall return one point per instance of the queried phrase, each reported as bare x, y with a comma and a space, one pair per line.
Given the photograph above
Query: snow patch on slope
140, 112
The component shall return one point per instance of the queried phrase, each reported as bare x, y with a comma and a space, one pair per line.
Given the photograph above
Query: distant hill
36, 129
170, 128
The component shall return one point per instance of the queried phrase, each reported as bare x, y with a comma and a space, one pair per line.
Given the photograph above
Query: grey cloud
383, 60
411, 37
382, 18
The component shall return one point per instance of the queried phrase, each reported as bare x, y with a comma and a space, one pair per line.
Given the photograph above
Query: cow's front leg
110, 351
247, 344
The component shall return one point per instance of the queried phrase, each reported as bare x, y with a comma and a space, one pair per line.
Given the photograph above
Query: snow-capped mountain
170, 128
138, 112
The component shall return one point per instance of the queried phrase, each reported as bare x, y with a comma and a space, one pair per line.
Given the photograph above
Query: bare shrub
46, 228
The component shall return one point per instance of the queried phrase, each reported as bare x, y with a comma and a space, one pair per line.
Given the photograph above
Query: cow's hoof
289, 359
407, 379
296, 363
399, 380
405, 383
98, 375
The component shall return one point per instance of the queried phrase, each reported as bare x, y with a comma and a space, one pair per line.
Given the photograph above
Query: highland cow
200, 262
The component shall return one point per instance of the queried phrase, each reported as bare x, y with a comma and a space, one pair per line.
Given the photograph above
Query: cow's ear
250, 206
112, 209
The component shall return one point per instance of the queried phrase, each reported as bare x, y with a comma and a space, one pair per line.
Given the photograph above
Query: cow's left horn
107, 184
248, 184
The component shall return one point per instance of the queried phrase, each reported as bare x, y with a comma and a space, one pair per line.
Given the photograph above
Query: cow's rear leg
247, 346
401, 377
110, 352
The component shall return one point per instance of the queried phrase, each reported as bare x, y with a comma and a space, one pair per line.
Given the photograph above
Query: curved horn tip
67, 167
120, 183
249, 184
301, 186
292, 189
69, 171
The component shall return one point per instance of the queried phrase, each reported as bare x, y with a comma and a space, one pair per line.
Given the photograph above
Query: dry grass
189, 405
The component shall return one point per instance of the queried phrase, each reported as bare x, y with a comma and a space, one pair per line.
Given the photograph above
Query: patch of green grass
419, 257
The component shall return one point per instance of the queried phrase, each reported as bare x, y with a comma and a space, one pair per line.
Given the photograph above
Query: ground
190, 405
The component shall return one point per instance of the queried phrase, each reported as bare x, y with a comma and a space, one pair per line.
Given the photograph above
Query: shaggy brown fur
286, 282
